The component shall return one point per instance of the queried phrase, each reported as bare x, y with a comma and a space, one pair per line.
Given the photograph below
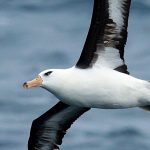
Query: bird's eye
47, 73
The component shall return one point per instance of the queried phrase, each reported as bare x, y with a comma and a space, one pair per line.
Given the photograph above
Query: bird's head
46, 79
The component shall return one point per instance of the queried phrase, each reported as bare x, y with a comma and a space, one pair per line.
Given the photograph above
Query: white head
50, 79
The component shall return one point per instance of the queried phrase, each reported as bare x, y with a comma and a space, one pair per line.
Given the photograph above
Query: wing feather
48, 130
107, 35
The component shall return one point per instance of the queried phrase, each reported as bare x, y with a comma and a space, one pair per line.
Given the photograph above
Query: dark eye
47, 73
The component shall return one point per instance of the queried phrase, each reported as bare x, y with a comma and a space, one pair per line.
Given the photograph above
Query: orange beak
33, 83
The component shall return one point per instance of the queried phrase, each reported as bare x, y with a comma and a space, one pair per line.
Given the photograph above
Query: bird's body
98, 88
99, 79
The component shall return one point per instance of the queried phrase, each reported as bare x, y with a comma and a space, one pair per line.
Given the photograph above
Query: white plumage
116, 12
97, 87
109, 58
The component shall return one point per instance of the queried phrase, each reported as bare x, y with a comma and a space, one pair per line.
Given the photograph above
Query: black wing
107, 35
48, 130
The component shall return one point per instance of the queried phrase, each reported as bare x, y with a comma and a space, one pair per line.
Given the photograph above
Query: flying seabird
100, 78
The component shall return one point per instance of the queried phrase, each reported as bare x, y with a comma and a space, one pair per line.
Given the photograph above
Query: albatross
100, 78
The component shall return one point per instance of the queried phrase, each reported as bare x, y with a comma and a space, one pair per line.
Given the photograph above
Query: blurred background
40, 34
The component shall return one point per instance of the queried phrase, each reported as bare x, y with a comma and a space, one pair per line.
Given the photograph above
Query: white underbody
99, 88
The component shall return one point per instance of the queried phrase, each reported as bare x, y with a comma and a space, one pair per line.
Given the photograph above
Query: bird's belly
104, 89
110, 98
98, 102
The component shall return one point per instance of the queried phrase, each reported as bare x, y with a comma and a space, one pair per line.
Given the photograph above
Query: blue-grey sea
40, 34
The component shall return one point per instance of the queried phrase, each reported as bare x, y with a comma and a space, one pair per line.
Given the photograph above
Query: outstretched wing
48, 130
107, 36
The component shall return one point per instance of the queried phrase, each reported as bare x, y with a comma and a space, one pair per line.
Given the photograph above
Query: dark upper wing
48, 130
107, 35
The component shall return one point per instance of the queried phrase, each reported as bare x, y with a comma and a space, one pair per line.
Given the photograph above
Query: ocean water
40, 34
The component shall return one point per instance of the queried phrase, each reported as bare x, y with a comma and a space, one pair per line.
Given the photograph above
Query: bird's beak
33, 83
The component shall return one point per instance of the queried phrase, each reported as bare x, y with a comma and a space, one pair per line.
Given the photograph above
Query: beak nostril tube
25, 85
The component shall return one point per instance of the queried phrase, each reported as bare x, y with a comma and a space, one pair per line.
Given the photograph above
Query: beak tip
25, 85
